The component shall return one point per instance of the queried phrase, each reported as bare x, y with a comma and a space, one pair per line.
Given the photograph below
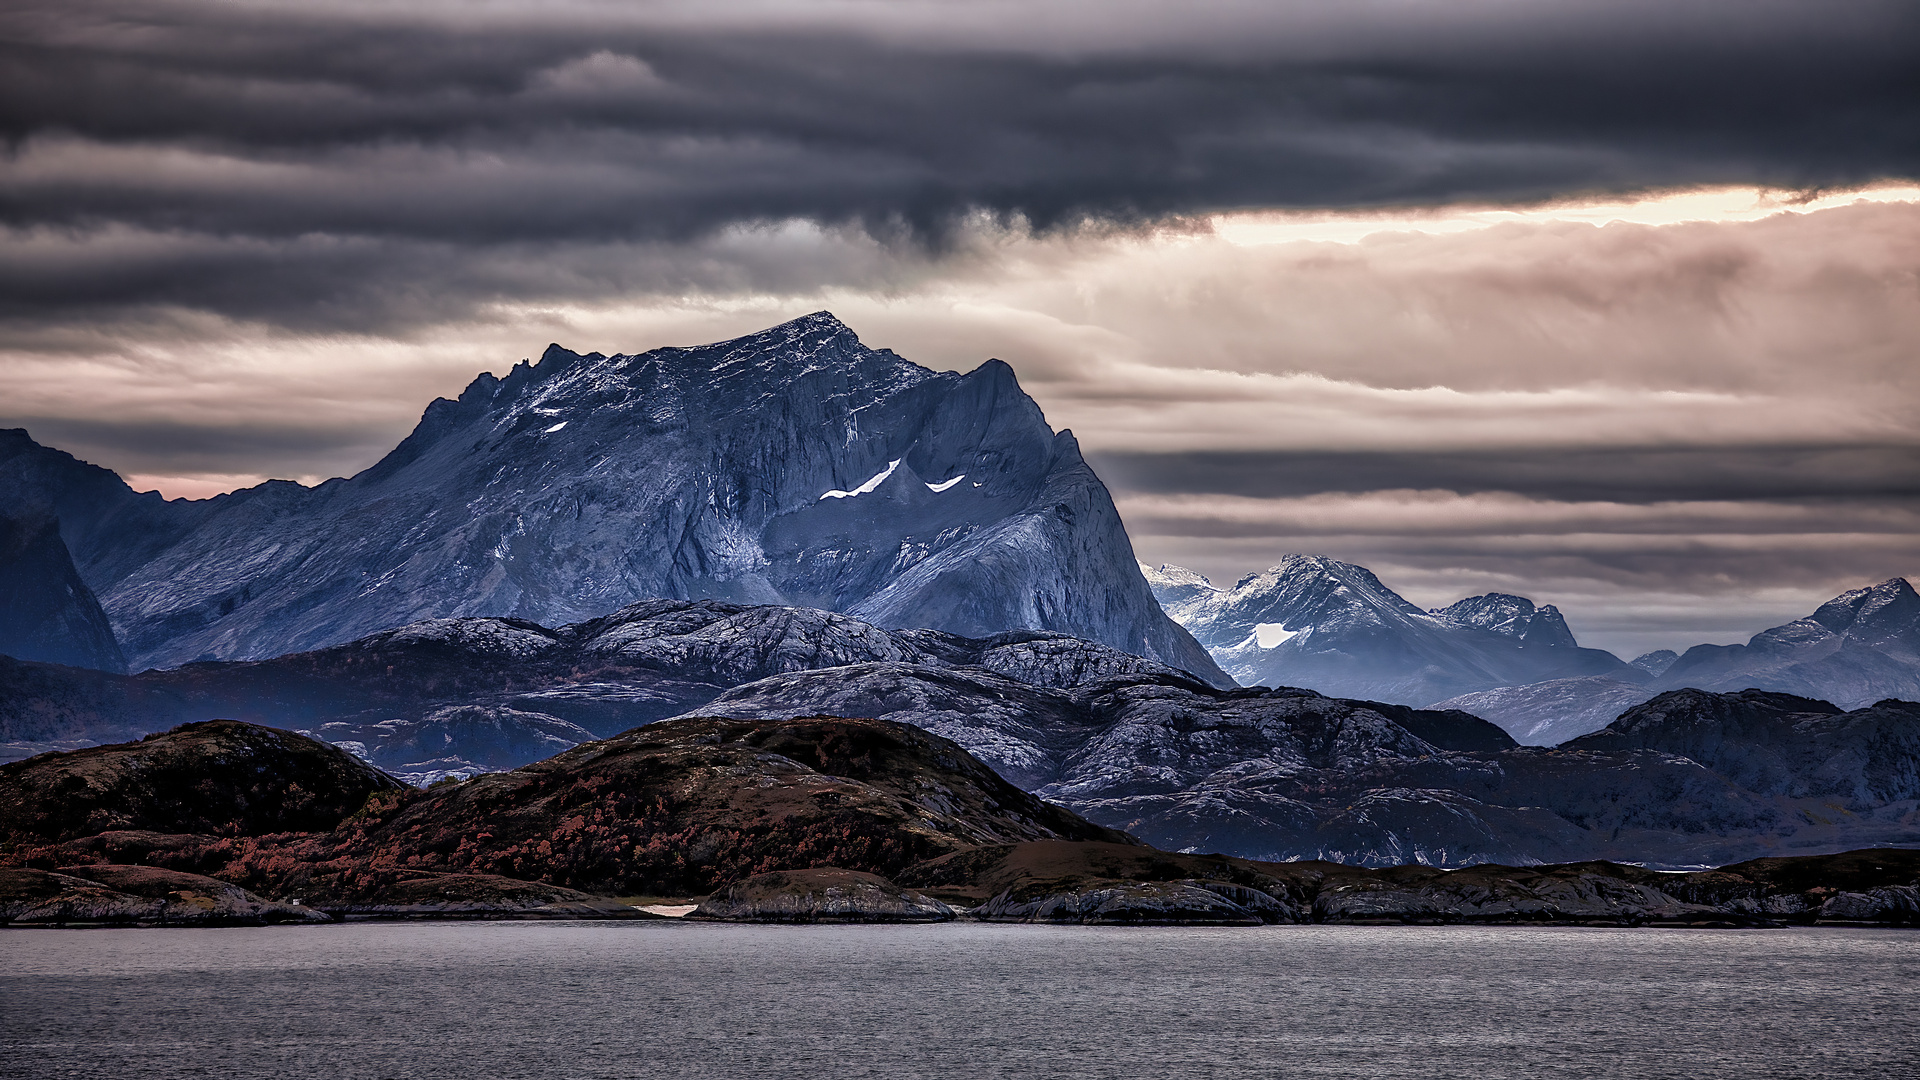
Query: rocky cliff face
46, 612
1318, 622
795, 466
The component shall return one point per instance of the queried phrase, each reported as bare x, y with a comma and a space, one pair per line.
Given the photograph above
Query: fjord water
593, 1000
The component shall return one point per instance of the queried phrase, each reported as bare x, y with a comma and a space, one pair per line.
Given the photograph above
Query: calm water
650, 1000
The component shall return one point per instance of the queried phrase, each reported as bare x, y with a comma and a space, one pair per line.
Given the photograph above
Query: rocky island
798, 820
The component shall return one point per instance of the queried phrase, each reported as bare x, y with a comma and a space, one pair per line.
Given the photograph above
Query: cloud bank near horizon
1259, 257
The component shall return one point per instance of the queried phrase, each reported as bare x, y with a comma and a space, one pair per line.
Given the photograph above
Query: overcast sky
1615, 305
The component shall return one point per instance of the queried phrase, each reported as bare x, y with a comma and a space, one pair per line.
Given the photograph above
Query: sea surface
591, 1000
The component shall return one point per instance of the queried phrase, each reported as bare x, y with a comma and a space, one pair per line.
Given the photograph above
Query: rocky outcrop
137, 896
218, 777
47, 612
795, 467
474, 896
1318, 622
820, 894
1110, 884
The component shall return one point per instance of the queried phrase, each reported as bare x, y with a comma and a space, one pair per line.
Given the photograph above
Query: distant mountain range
793, 466
1317, 622
1690, 778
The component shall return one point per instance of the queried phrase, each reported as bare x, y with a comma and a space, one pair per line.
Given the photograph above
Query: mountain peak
584, 482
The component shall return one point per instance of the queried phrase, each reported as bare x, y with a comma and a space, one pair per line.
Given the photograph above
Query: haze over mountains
793, 466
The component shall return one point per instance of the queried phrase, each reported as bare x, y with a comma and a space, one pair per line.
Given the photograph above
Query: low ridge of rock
820, 894
135, 895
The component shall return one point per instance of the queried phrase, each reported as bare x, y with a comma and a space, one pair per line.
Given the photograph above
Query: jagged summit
1511, 616
1856, 649
1315, 621
1884, 616
584, 482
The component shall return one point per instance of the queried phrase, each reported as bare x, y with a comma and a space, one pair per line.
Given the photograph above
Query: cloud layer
348, 166
244, 239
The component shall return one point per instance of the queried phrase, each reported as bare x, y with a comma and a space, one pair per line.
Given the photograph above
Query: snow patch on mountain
869, 487
1271, 635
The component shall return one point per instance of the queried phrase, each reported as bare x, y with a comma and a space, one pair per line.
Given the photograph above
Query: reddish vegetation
219, 777
669, 809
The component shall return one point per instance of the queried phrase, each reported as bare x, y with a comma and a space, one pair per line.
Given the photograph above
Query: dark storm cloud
1621, 474
429, 138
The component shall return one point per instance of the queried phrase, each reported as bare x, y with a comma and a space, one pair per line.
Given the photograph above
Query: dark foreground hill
801, 820
220, 778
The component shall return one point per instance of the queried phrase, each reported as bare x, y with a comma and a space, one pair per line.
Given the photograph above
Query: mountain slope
1318, 622
46, 611
1550, 712
794, 466
1778, 744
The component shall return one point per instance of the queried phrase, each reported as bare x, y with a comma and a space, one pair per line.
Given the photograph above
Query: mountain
1858, 648
795, 466
46, 612
455, 697
1318, 622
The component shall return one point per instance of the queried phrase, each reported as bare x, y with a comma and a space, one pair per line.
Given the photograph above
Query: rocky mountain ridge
1315, 621
795, 466
455, 697
1277, 774
1292, 774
